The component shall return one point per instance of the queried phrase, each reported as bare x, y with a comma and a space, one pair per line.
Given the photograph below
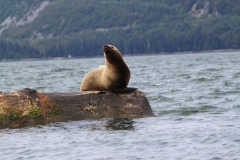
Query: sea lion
114, 76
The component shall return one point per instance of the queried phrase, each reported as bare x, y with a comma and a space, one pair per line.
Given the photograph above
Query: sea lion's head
111, 53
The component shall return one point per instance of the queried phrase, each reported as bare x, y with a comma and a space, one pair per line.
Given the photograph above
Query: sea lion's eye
112, 47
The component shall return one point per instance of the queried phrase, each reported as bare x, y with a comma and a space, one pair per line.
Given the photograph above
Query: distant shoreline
128, 55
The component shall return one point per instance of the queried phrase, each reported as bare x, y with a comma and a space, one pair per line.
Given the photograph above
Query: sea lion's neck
116, 65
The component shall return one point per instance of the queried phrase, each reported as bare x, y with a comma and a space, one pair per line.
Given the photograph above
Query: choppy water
196, 98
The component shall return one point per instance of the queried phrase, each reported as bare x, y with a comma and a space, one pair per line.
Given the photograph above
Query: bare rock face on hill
27, 18
28, 107
197, 11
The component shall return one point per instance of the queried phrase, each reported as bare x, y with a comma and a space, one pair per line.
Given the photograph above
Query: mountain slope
80, 28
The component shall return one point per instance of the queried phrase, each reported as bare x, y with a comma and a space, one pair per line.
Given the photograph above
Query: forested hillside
58, 28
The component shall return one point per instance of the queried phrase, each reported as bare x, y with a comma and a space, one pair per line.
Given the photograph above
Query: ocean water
195, 97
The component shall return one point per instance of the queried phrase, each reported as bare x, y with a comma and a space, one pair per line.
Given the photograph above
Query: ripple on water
187, 111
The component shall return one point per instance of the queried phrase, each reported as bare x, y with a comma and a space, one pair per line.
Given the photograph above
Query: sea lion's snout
111, 52
108, 47
105, 47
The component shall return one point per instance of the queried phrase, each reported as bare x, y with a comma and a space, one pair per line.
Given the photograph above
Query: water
196, 98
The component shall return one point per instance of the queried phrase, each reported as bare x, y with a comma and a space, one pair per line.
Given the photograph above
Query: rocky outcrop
28, 107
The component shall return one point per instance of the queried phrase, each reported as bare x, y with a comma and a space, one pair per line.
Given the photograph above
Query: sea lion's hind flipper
130, 89
124, 90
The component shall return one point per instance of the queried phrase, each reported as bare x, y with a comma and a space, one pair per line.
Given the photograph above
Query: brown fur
112, 77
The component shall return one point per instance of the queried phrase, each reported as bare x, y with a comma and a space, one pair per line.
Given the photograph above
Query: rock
27, 107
